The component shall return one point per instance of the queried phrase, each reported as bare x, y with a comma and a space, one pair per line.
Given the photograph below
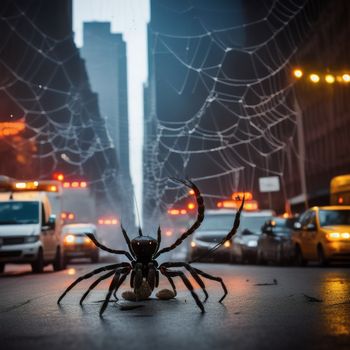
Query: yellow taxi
322, 234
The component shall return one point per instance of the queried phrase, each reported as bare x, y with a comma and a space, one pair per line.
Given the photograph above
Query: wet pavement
266, 308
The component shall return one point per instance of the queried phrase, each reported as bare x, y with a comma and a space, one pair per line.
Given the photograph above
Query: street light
314, 78
346, 78
329, 78
298, 73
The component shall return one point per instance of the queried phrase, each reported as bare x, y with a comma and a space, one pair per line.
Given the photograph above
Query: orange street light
329, 78
346, 78
298, 73
314, 78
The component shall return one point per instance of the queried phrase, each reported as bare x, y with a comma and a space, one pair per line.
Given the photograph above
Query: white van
28, 231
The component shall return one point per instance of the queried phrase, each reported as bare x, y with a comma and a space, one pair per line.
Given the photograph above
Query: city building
105, 57
322, 149
45, 85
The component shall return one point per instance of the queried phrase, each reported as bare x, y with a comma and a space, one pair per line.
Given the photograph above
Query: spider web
44, 82
238, 74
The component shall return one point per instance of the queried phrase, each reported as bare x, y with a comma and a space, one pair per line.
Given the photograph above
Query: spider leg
157, 278
112, 286
132, 279
187, 283
90, 274
159, 238
193, 273
218, 279
93, 285
127, 240
172, 284
200, 218
122, 279
113, 251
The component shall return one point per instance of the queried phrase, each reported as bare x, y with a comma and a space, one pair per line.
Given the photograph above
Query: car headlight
69, 239
31, 239
334, 236
252, 243
87, 240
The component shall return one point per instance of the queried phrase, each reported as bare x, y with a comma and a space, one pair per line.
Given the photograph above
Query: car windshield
14, 213
77, 230
218, 222
334, 217
283, 226
282, 230
252, 223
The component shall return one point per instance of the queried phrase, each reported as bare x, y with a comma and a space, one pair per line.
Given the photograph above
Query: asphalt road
257, 313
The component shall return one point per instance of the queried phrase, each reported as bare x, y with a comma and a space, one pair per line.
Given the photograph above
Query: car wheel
299, 258
2, 267
58, 263
322, 260
95, 258
38, 264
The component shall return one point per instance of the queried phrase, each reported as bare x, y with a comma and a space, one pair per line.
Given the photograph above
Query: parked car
323, 235
275, 242
245, 242
216, 225
28, 231
77, 244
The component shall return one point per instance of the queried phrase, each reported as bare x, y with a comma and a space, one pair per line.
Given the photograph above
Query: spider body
144, 247
143, 266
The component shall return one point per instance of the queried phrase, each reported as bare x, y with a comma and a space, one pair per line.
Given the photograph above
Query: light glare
314, 78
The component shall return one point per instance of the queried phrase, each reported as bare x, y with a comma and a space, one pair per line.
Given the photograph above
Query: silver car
216, 225
77, 244
245, 242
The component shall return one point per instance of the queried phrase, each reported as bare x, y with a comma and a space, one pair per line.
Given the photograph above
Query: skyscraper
105, 56
45, 85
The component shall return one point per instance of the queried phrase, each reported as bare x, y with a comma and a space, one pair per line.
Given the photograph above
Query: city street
267, 308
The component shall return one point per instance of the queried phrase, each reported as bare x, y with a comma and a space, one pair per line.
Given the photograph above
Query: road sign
269, 184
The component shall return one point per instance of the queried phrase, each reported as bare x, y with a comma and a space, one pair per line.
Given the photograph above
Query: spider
143, 266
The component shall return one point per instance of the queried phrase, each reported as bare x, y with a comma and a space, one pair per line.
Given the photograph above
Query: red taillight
191, 206
75, 184
174, 211
58, 176
108, 221
177, 211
